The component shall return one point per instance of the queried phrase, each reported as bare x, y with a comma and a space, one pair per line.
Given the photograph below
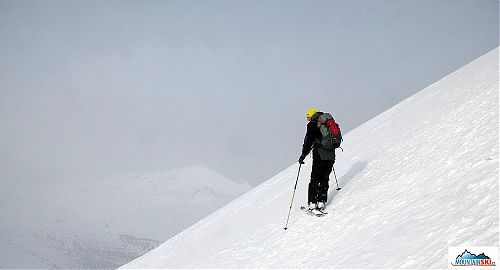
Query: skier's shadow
344, 179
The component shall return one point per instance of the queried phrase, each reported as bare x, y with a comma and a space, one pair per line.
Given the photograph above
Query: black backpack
330, 131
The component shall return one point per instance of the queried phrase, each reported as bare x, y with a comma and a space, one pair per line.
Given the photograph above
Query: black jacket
313, 138
313, 135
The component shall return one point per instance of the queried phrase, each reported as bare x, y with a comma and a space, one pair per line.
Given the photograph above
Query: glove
301, 159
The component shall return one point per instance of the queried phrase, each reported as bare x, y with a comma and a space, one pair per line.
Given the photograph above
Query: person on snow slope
323, 160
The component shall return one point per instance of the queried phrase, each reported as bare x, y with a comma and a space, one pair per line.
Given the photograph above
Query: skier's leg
326, 169
315, 178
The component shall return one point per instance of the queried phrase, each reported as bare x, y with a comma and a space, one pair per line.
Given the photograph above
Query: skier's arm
308, 139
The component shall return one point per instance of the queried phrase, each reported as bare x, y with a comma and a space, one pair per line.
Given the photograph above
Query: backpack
330, 131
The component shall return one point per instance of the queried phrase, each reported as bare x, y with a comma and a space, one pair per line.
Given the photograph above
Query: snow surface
106, 223
416, 179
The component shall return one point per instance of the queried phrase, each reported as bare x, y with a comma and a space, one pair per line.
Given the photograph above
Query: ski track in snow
417, 179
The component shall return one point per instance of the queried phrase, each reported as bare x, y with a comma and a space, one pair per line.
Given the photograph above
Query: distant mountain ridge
105, 223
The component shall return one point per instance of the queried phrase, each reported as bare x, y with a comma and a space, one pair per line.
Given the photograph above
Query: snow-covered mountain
106, 223
416, 179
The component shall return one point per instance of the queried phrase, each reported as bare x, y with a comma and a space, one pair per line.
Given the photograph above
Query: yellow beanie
310, 112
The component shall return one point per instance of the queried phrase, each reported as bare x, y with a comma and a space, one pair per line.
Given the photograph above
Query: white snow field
416, 179
106, 223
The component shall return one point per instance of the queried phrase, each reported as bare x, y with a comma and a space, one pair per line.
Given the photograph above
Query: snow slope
416, 179
106, 223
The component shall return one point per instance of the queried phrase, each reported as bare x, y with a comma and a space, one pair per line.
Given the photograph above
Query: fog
90, 89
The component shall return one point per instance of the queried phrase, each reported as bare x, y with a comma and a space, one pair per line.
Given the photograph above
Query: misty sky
90, 89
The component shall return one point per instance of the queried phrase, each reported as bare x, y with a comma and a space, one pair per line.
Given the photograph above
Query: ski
323, 211
315, 212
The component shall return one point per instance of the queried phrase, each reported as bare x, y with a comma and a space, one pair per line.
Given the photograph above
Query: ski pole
338, 188
293, 196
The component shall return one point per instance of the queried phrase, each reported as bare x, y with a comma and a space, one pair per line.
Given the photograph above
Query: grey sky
95, 88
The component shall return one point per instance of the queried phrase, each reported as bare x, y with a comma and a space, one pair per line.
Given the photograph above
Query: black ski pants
320, 175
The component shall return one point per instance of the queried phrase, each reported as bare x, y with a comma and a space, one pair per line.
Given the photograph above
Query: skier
323, 160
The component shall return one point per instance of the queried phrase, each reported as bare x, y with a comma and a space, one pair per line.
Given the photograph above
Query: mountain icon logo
470, 259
